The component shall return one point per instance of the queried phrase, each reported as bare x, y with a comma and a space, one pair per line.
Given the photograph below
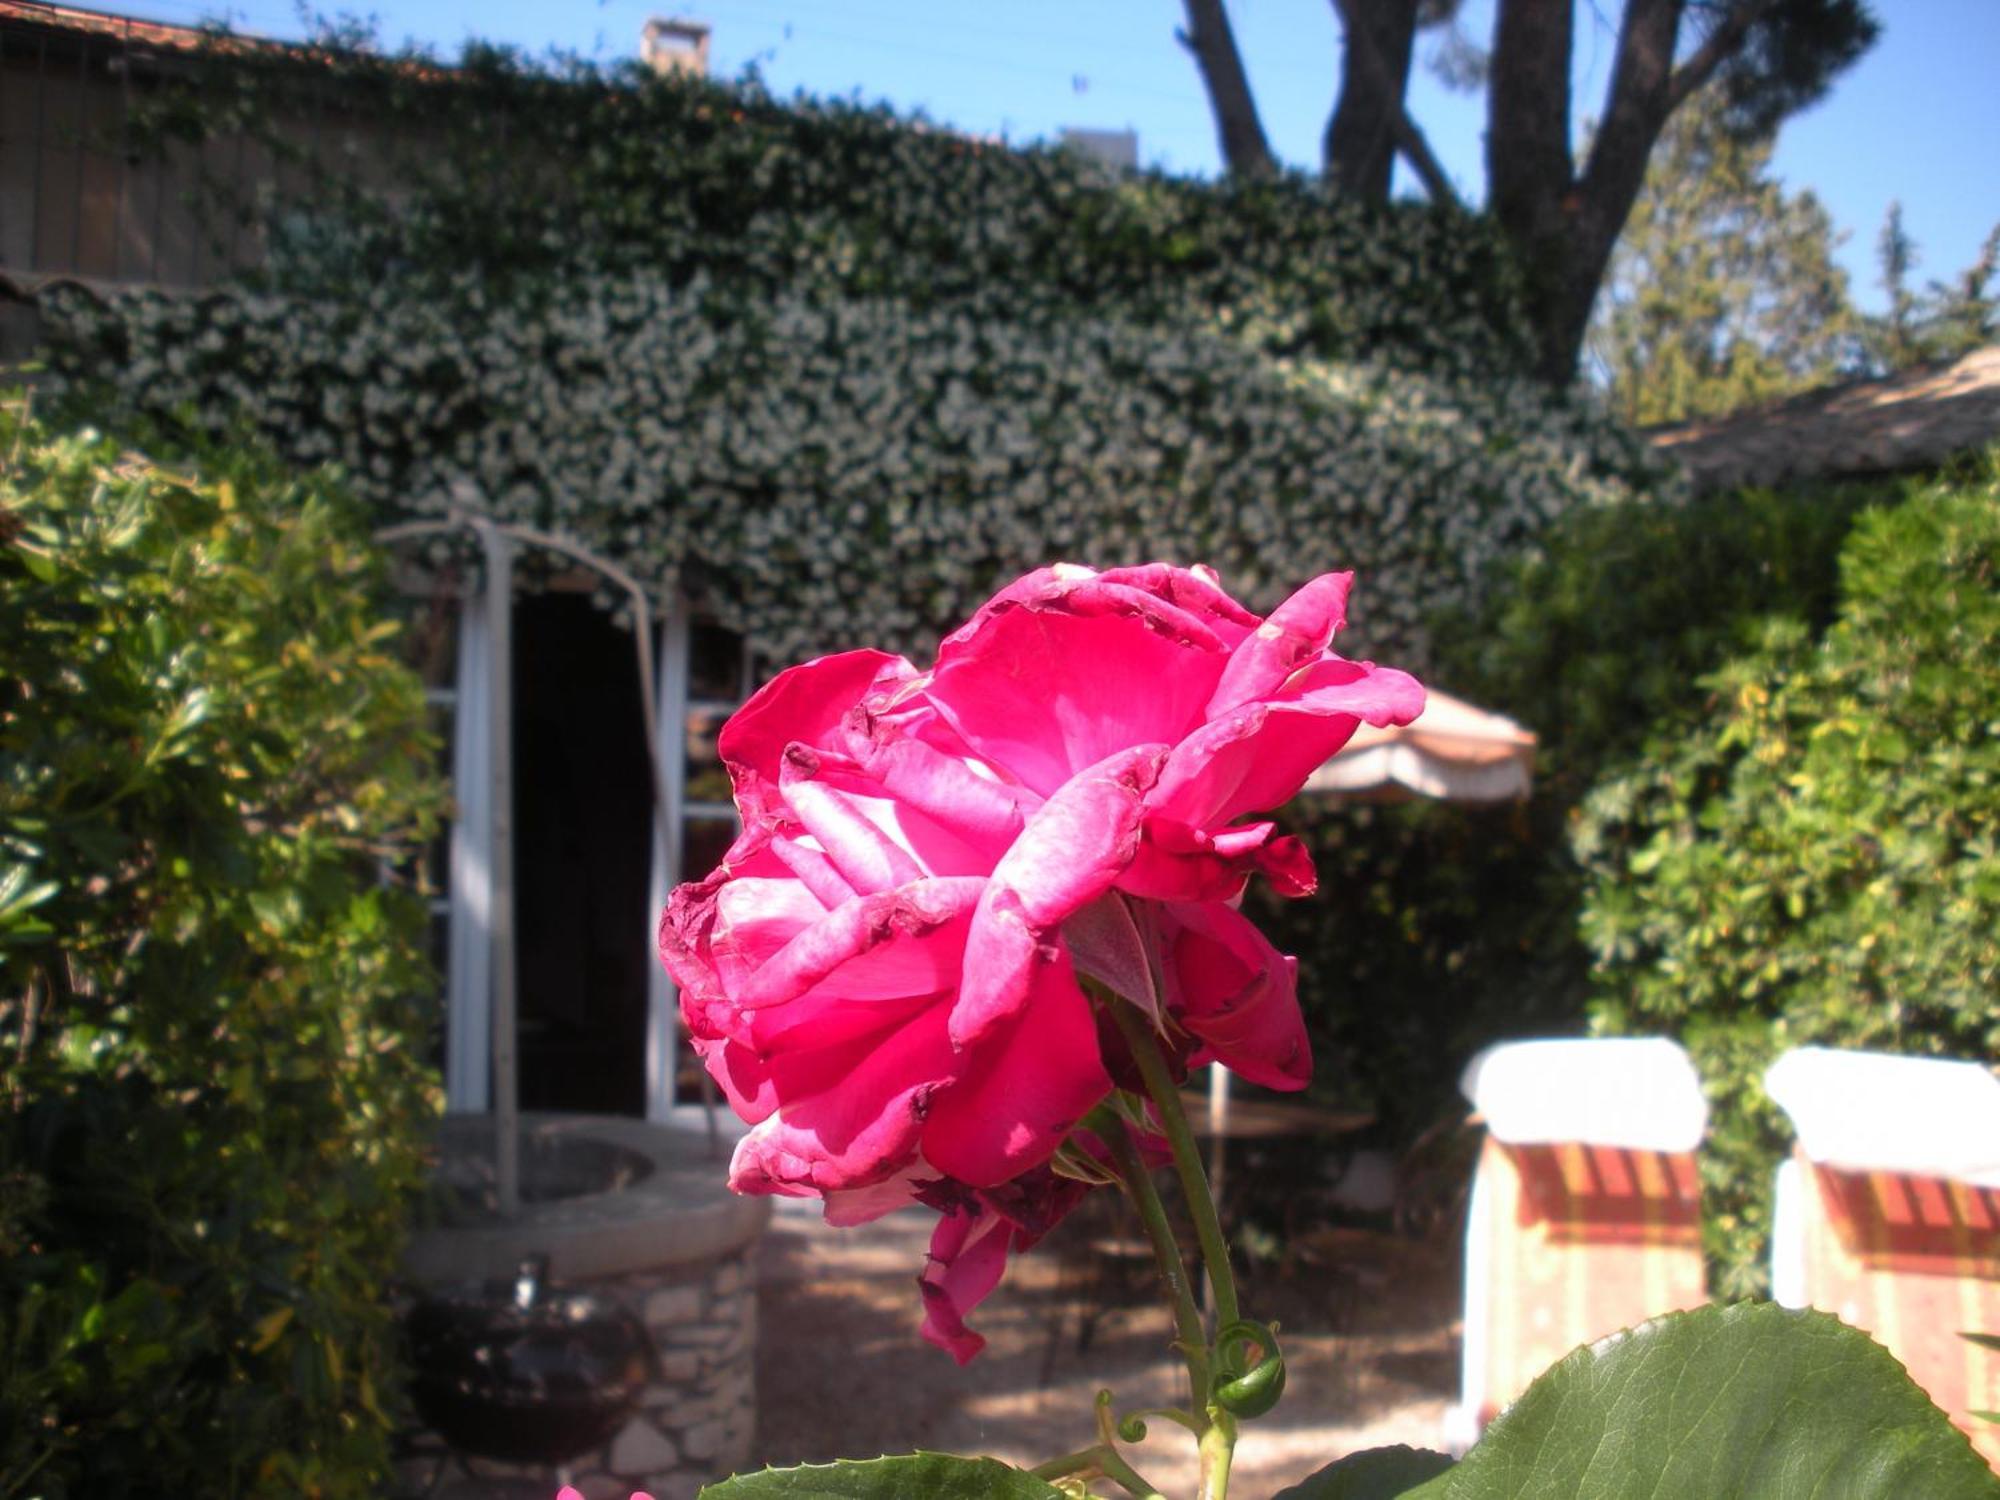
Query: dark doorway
583, 813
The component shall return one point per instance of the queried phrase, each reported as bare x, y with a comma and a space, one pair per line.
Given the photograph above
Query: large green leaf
1750, 1402
1372, 1474
915, 1476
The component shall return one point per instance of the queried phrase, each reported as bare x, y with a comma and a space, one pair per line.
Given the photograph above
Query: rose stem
1085, 1462
1127, 1477
1218, 1445
1145, 1048
1193, 1342
1111, 1461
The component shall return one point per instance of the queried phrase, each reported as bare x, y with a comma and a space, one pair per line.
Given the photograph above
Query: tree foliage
212, 1096
1723, 290
1814, 854
1945, 319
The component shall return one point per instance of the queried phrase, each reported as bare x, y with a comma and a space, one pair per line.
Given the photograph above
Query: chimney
1117, 150
675, 45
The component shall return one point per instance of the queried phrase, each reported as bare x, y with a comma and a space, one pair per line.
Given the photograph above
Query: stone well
637, 1212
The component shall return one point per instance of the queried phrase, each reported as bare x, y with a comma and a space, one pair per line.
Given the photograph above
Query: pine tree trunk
1239, 132
1360, 145
1563, 224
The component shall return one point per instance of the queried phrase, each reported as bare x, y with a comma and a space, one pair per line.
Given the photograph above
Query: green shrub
1815, 857
1605, 627
1430, 936
211, 1093
1440, 928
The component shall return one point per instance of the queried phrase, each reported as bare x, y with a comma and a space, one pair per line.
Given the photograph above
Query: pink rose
883, 973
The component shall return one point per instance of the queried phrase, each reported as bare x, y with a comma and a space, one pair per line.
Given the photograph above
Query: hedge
1814, 856
213, 1011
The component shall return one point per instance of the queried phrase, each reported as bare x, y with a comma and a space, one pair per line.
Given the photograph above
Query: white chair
1585, 1212
1888, 1213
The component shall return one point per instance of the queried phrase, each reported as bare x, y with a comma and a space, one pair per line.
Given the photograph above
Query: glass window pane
715, 662
707, 781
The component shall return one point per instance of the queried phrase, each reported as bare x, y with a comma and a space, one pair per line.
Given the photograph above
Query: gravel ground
1369, 1326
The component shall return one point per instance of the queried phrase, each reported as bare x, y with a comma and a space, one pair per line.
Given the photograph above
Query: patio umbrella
1454, 752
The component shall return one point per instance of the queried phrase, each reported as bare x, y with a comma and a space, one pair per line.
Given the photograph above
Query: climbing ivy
840, 373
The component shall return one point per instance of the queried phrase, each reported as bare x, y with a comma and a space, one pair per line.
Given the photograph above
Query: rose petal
976, 1231
1059, 679
958, 825
754, 918
1071, 851
907, 941
1025, 1087
947, 788
685, 924
743, 1076
1194, 591
807, 863
803, 704
1238, 994
689, 917
1178, 863
866, 856
1296, 633
1257, 756
1288, 865
848, 977
851, 1115
853, 1206
967, 1256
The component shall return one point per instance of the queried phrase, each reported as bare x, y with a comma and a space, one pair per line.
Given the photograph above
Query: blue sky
1917, 120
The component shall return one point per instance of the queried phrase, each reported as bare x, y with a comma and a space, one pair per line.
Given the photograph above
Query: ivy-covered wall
530, 174
841, 373
833, 473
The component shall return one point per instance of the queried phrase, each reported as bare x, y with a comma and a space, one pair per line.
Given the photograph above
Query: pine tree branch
1716, 48
1245, 151
1529, 169
1411, 142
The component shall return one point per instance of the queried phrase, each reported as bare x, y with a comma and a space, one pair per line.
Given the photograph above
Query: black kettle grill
522, 1372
